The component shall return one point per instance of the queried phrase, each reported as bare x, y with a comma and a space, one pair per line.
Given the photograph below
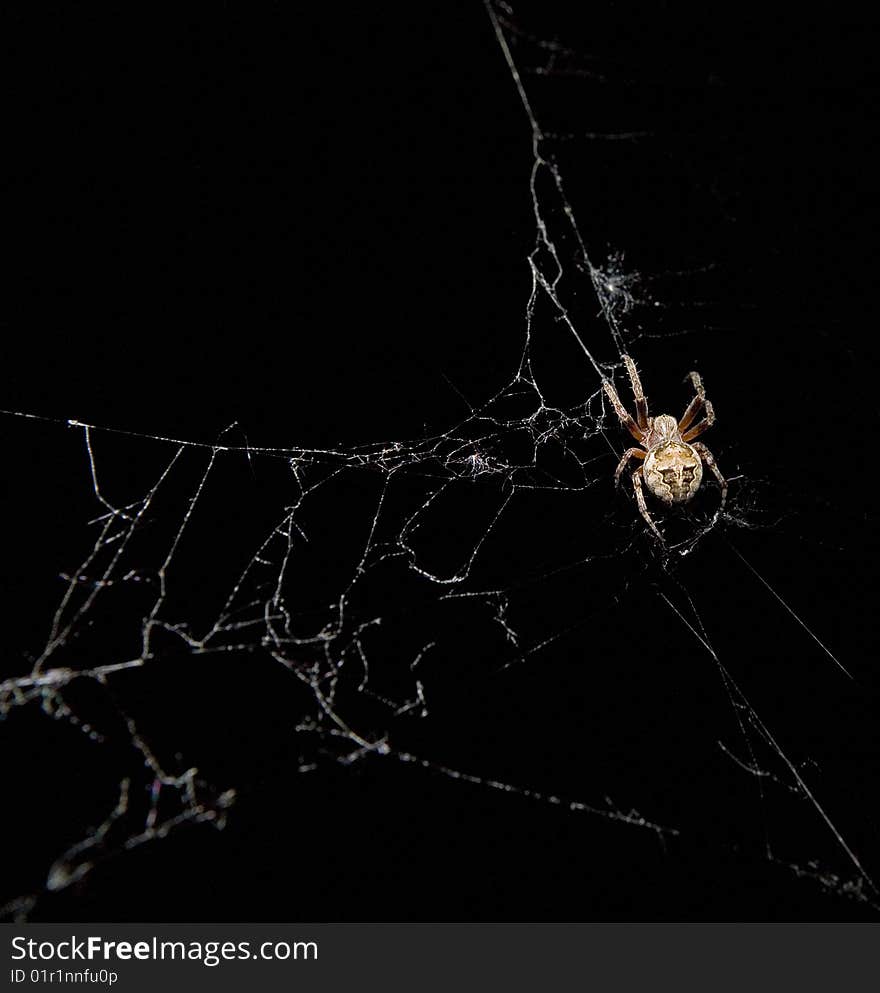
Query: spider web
454, 606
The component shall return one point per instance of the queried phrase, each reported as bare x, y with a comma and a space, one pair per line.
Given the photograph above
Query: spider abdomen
673, 472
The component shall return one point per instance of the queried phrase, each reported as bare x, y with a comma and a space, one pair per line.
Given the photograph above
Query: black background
314, 225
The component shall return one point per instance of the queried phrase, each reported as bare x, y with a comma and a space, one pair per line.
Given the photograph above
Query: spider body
673, 472
673, 468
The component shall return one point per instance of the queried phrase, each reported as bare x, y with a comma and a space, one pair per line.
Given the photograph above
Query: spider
673, 468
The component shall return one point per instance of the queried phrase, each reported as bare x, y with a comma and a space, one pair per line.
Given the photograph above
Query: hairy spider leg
704, 424
640, 500
622, 413
697, 404
630, 453
709, 459
638, 393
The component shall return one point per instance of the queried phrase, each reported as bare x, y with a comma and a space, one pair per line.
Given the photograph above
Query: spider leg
704, 424
621, 411
706, 456
630, 453
638, 393
640, 500
697, 404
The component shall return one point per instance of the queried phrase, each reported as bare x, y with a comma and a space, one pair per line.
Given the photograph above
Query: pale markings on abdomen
676, 488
